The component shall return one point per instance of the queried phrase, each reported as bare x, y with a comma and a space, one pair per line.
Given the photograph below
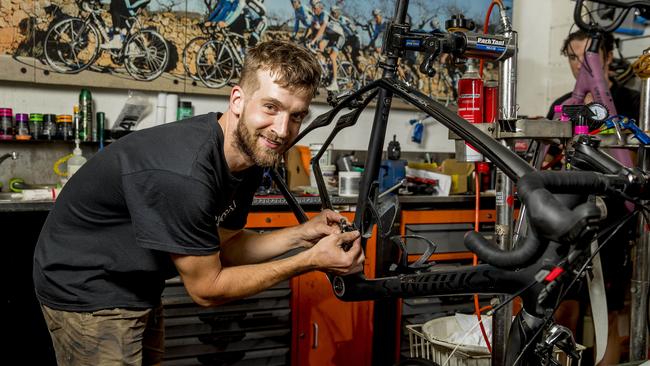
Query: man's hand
328, 255
326, 223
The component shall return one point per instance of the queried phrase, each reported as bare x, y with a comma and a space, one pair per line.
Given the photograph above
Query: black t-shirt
627, 102
161, 190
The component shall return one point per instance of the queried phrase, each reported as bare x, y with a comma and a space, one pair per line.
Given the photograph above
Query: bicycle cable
616, 227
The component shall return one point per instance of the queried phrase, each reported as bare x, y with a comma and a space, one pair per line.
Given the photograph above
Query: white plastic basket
438, 350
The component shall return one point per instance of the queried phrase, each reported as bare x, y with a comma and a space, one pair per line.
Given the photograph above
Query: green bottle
98, 132
86, 111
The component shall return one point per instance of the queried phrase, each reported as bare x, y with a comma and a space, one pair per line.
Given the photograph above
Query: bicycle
553, 251
219, 59
347, 76
73, 44
372, 70
190, 51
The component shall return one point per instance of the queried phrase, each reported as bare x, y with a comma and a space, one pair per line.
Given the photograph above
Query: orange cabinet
325, 330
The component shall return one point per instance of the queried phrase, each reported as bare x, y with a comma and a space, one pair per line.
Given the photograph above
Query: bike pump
502, 319
641, 253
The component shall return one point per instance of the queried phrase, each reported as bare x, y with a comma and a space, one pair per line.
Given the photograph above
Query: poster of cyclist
198, 46
112, 43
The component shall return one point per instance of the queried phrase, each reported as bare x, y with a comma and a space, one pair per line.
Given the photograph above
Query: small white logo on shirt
219, 219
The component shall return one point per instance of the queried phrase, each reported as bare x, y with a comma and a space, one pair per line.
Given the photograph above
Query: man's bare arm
248, 247
209, 283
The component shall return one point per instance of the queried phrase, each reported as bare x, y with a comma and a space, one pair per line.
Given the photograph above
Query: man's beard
247, 144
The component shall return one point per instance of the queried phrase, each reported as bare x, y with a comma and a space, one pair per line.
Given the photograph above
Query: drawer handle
315, 344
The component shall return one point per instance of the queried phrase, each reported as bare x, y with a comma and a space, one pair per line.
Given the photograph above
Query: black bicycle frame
484, 279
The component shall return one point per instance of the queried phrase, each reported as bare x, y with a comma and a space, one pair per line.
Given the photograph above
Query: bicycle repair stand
507, 112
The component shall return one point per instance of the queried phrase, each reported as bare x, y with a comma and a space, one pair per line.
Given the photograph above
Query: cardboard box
297, 172
460, 174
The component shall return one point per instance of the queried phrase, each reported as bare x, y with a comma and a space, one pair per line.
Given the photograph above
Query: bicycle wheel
215, 64
346, 76
71, 45
146, 54
370, 73
189, 56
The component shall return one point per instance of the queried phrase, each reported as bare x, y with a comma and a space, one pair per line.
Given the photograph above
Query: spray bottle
75, 160
86, 115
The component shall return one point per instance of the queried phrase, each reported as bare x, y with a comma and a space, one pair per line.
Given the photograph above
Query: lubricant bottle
86, 115
491, 101
470, 107
470, 95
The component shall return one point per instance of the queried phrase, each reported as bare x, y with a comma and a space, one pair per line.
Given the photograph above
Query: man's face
318, 10
576, 54
269, 121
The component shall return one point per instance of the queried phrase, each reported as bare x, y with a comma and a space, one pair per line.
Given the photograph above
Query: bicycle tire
346, 76
190, 51
370, 74
215, 64
82, 39
146, 54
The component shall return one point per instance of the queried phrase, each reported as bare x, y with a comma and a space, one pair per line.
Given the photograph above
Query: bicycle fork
102, 27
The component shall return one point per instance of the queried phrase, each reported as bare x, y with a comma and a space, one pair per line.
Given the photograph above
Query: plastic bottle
491, 100
6, 124
98, 135
86, 110
35, 125
184, 110
470, 95
76, 122
470, 105
64, 130
22, 126
76, 161
48, 131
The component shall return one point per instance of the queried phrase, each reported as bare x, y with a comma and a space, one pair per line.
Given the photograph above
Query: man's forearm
249, 247
242, 281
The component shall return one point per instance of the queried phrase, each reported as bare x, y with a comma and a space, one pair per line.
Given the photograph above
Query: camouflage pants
106, 337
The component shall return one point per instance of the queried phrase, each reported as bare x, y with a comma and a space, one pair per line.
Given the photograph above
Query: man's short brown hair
293, 67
